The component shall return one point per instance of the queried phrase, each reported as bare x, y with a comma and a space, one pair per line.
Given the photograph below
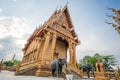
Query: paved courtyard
7, 75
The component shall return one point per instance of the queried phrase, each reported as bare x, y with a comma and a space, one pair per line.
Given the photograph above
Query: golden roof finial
67, 3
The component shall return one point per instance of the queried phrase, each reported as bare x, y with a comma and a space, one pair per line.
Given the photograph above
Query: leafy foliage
11, 63
108, 61
8, 63
16, 62
79, 65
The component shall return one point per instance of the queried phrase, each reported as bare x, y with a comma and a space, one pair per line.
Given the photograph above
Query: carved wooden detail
51, 40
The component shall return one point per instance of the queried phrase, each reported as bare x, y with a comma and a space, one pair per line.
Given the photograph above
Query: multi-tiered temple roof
57, 14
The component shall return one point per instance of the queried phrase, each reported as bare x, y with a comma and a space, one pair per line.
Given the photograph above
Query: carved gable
63, 20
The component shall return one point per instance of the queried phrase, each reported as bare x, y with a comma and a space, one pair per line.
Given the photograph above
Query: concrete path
7, 75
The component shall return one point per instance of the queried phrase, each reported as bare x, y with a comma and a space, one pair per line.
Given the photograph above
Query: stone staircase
28, 71
74, 71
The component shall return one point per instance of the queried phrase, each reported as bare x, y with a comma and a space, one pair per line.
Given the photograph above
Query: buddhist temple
56, 38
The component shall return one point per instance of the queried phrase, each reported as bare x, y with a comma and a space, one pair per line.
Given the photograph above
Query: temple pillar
70, 52
38, 49
27, 58
30, 48
47, 40
74, 54
33, 48
41, 68
24, 59
53, 46
34, 54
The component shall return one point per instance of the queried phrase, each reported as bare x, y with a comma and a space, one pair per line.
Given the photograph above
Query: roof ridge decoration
50, 21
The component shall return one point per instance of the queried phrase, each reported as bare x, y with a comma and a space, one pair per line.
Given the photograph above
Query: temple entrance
61, 47
56, 55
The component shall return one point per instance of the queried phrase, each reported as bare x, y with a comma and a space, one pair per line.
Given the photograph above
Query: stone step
55, 78
25, 70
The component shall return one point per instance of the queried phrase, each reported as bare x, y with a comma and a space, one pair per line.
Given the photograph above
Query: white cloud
16, 28
10, 54
92, 43
13, 26
1, 46
14, 0
89, 41
20, 42
1, 10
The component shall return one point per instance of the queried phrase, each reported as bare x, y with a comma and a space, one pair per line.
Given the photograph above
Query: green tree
97, 56
79, 65
8, 63
11, 63
108, 60
89, 60
16, 62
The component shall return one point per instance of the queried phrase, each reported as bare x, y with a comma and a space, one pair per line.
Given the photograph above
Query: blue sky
19, 18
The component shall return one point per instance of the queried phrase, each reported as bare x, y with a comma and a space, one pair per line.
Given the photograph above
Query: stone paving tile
7, 75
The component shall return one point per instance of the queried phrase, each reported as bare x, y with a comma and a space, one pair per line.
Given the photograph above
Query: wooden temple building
116, 18
56, 38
